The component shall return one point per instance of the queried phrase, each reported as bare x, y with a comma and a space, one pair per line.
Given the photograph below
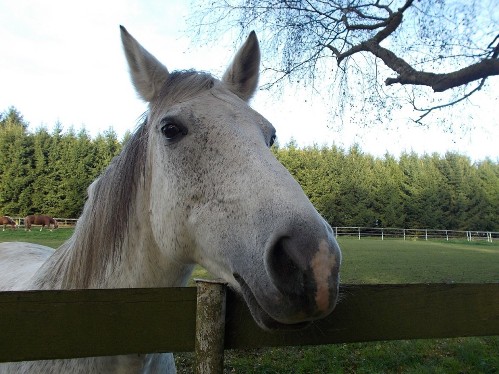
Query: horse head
218, 197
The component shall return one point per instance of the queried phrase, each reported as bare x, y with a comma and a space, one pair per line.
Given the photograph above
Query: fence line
426, 234
362, 231
37, 325
63, 222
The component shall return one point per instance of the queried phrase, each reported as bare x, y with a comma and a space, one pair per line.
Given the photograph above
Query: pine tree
16, 153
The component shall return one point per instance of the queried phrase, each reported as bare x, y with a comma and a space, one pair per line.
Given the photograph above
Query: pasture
45, 237
371, 261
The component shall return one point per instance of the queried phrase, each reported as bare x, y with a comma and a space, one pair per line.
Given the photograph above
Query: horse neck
89, 260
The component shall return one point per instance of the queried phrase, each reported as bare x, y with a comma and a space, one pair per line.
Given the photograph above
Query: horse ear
242, 74
148, 74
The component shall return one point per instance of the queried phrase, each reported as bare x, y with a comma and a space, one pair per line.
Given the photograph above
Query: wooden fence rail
38, 325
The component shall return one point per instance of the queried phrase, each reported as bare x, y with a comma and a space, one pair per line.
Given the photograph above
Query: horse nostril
286, 268
303, 273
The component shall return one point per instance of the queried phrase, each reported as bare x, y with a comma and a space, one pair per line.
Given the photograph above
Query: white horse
195, 184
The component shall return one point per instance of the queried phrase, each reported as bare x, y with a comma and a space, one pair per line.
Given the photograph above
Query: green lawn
418, 261
370, 261
390, 261
415, 261
49, 238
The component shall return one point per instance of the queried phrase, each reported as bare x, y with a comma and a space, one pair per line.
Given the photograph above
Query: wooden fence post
210, 326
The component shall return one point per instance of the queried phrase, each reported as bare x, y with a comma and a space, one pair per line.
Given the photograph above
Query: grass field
49, 238
418, 261
370, 261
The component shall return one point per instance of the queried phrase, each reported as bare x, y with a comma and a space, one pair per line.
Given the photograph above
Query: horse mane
103, 225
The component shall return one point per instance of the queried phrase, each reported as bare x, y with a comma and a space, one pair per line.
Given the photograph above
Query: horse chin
261, 317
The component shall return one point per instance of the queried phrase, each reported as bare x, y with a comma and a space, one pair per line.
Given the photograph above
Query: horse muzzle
303, 283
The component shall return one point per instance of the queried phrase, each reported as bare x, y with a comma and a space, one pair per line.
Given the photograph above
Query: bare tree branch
443, 82
429, 110
416, 40
495, 51
406, 73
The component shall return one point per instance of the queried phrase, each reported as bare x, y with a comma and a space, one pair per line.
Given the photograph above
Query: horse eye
172, 130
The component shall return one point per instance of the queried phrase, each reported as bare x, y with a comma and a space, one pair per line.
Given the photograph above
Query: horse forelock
183, 85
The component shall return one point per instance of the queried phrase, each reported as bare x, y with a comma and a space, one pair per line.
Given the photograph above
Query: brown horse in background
39, 220
6, 220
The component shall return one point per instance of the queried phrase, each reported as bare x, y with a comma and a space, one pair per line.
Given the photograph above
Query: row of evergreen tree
49, 173
351, 188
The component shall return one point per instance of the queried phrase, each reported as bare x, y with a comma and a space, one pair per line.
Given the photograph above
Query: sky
62, 61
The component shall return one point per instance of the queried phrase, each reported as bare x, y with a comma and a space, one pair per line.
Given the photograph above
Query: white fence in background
369, 232
408, 234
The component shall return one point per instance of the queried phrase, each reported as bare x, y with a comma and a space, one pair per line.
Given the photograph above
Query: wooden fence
37, 325
62, 222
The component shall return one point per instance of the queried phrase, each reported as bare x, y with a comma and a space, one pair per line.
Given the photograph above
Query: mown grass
45, 237
370, 261
418, 261
389, 261
462, 355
